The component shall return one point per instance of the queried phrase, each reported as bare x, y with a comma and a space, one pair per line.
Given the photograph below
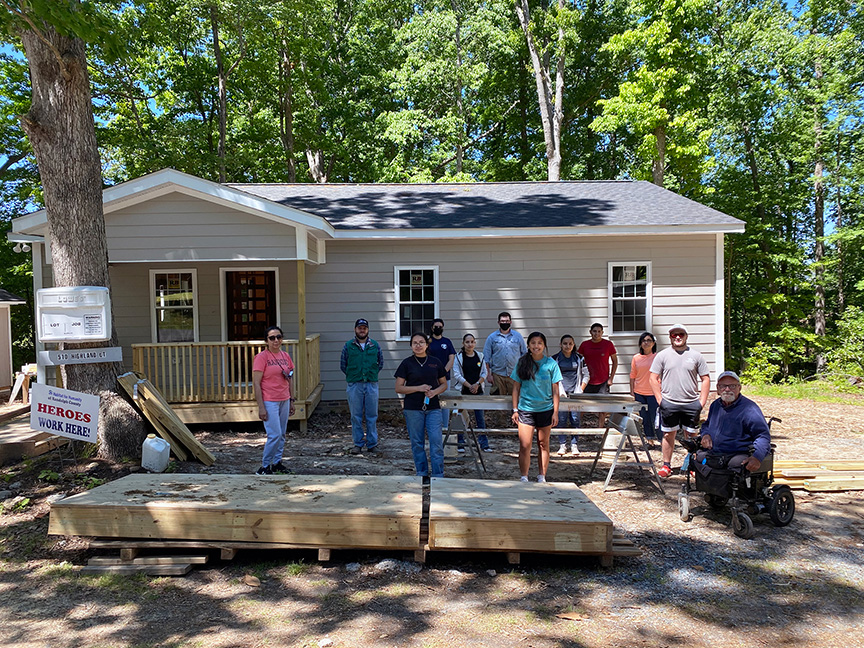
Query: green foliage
846, 356
762, 366
49, 476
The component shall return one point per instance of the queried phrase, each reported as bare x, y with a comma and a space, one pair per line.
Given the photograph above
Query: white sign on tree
70, 414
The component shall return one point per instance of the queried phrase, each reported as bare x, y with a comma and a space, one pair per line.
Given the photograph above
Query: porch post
303, 370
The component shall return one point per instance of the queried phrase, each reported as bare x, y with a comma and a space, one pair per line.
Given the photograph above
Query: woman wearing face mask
535, 403
574, 373
273, 382
420, 378
469, 375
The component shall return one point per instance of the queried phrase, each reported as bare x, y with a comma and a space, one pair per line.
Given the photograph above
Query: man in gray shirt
502, 351
680, 382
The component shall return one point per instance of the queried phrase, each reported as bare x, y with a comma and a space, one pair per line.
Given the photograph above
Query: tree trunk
316, 165
658, 166
818, 226
460, 110
551, 109
223, 92
286, 110
60, 127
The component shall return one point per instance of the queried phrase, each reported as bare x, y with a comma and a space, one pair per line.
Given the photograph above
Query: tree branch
479, 137
57, 54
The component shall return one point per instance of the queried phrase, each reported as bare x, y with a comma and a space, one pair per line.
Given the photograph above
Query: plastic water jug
154, 454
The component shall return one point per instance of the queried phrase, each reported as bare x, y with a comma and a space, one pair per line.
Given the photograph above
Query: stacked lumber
168, 425
817, 475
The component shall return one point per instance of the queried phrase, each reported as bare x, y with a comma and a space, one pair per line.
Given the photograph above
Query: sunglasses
677, 335
274, 337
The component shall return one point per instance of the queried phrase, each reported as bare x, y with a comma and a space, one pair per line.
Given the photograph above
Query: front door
251, 307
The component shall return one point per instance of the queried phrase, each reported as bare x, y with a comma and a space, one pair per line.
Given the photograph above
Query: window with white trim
174, 305
630, 297
416, 299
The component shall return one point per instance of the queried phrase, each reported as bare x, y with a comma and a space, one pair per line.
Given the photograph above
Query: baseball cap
729, 374
678, 327
361, 322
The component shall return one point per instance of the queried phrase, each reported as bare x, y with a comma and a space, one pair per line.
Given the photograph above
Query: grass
820, 391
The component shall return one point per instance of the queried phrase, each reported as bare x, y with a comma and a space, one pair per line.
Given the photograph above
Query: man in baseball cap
680, 382
361, 361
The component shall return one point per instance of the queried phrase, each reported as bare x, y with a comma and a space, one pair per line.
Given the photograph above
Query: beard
727, 398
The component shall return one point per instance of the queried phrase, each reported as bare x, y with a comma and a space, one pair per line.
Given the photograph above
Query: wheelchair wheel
742, 525
716, 502
684, 507
781, 507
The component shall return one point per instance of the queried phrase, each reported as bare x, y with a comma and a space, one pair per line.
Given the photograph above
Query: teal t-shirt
535, 395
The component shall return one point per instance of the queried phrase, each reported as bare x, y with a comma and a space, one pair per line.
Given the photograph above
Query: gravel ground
695, 583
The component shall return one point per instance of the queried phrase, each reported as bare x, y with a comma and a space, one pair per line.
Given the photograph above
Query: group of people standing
672, 384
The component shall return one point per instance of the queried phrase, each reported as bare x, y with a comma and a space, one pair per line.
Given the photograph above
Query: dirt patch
696, 582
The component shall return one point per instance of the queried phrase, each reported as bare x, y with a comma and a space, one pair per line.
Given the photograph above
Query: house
198, 269
7, 371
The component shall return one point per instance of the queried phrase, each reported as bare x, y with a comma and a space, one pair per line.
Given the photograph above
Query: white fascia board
519, 232
12, 237
169, 180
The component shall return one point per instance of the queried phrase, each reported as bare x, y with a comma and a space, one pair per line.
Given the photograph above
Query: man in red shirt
598, 353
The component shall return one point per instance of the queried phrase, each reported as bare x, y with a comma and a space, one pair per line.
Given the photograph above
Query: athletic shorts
536, 419
675, 415
602, 388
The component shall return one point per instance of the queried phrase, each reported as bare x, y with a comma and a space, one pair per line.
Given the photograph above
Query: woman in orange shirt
640, 367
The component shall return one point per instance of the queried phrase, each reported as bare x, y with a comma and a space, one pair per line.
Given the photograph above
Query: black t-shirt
421, 372
471, 368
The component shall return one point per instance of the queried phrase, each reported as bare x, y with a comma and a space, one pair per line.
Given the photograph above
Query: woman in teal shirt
535, 403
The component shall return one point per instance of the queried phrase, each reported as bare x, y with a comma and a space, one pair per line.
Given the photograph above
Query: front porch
211, 382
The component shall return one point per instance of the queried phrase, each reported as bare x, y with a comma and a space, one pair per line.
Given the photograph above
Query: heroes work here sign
70, 414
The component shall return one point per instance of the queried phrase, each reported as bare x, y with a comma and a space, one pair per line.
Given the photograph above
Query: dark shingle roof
493, 205
6, 296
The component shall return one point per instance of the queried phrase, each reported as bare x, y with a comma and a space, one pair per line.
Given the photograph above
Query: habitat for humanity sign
70, 414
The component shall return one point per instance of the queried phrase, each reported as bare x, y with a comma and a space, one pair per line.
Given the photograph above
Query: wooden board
331, 511
826, 484
515, 517
150, 402
18, 440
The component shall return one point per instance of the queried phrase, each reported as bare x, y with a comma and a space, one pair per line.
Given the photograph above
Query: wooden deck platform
313, 511
337, 512
511, 516
18, 440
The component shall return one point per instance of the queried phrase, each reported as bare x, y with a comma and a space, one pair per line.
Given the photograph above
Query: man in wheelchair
733, 461
735, 425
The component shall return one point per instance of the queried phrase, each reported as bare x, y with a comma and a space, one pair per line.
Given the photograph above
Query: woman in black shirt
420, 378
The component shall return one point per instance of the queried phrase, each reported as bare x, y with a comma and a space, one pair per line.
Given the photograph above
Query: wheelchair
744, 492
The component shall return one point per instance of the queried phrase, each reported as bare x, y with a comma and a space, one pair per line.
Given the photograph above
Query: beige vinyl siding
177, 227
6, 372
555, 285
312, 248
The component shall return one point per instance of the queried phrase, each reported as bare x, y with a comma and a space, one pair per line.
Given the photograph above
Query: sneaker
373, 450
665, 471
264, 470
541, 479
278, 469
486, 449
461, 450
574, 449
562, 449
523, 478
356, 450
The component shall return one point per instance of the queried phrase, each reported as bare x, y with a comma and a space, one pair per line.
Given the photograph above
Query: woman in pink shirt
273, 381
640, 367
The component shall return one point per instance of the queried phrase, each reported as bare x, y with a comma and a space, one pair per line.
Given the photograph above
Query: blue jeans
648, 420
421, 424
275, 425
564, 420
482, 439
363, 403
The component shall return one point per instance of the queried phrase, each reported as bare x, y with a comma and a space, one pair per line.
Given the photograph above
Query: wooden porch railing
195, 372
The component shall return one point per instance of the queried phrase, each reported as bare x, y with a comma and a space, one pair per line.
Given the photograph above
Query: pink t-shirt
274, 385
640, 367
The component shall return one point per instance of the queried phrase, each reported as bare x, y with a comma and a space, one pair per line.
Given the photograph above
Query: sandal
665, 471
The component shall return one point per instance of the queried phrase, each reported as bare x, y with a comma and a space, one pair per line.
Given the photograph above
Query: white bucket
154, 454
